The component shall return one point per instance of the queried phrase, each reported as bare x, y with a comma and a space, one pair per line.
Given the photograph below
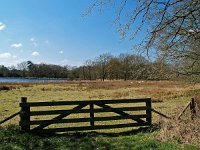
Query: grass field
169, 97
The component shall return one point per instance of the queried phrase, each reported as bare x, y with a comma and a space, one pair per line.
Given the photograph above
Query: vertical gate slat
192, 108
25, 115
149, 112
92, 115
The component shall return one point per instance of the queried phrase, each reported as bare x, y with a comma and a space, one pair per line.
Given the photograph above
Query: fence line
142, 119
192, 105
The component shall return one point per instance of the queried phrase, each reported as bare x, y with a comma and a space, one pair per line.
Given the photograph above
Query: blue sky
54, 31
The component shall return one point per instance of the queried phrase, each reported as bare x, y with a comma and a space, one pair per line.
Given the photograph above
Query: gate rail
138, 120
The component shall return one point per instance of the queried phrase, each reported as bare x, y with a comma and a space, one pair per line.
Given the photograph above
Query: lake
23, 80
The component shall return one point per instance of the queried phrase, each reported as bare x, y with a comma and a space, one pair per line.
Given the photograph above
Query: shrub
6, 88
182, 131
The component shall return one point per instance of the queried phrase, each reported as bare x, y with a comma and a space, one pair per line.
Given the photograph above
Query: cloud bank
7, 59
35, 53
2, 26
16, 45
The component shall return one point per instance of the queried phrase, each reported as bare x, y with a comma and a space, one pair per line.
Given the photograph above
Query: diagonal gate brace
60, 117
121, 113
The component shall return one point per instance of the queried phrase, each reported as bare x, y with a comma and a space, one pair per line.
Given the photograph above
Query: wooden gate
90, 107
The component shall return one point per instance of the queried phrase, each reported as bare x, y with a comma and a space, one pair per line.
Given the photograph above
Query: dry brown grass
197, 100
187, 132
166, 95
132, 84
184, 130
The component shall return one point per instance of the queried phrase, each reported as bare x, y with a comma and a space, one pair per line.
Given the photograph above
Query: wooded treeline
105, 66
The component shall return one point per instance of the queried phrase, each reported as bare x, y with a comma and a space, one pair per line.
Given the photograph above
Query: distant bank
23, 80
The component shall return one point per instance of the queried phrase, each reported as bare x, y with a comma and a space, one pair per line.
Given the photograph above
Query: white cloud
34, 42
5, 55
16, 45
35, 53
194, 31
32, 39
14, 56
64, 62
2, 26
191, 31
69, 62
7, 59
61, 52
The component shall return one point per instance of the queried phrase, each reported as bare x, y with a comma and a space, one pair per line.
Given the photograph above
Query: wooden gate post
24, 115
192, 109
149, 111
92, 114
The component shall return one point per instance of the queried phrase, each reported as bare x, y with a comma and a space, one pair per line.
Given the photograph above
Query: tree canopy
172, 27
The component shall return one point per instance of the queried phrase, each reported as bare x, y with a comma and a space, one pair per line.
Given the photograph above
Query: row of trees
29, 69
106, 66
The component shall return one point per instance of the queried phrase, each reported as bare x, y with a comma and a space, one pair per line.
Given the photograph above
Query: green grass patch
168, 98
12, 139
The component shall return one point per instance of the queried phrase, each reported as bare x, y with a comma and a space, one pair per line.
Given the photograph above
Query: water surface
23, 80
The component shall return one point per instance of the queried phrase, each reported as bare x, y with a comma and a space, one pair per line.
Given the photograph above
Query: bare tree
126, 65
89, 65
102, 63
172, 27
114, 68
23, 66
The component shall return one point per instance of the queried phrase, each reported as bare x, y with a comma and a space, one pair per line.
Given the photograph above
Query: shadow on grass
13, 129
153, 128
